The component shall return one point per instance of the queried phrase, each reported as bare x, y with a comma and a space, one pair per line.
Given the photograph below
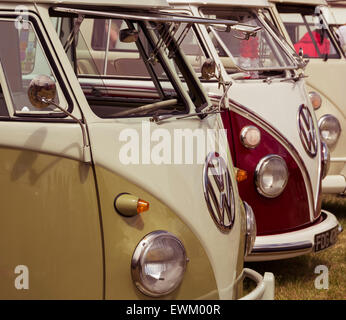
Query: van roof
247, 3
98, 3
337, 3
302, 2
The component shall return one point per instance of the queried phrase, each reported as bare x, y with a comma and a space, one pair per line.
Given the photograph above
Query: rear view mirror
42, 90
128, 35
208, 69
41, 93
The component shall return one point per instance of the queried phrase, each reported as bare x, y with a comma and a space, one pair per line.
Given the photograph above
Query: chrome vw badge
218, 191
307, 131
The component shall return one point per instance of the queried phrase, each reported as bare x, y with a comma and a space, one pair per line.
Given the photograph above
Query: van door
50, 237
156, 161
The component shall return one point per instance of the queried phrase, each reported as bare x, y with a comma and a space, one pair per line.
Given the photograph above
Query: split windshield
308, 32
260, 53
108, 54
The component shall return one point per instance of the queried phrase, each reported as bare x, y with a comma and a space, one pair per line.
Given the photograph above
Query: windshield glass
308, 32
339, 32
108, 54
268, 19
260, 52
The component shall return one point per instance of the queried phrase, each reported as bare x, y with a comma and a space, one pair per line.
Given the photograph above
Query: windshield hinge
74, 32
295, 79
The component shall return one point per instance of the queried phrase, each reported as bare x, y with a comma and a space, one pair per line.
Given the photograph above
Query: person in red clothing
308, 46
249, 55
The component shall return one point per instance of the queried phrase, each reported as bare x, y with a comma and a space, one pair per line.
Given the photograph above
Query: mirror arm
86, 146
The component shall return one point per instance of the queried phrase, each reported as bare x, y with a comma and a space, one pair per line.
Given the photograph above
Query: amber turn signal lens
142, 206
241, 175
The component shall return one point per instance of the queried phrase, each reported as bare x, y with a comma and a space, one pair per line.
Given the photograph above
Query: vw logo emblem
218, 192
307, 131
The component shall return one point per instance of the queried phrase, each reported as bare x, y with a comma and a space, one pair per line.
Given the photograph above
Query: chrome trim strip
325, 159
281, 247
153, 16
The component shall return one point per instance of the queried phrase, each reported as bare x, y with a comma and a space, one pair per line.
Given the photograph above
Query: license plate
326, 239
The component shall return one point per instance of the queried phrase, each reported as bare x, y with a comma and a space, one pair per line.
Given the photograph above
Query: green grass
295, 277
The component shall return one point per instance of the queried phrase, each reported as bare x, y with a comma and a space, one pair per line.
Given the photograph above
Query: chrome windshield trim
154, 17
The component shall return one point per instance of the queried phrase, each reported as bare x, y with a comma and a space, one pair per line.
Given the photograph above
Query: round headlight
315, 99
251, 229
158, 263
250, 137
271, 176
330, 130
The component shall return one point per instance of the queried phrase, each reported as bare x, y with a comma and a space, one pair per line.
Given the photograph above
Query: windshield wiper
295, 78
158, 119
147, 108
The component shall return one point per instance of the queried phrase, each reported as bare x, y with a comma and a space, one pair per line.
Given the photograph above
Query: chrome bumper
265, 288
291, 244
334, 184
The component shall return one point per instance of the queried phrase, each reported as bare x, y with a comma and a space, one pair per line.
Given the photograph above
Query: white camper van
90, 207
307, 26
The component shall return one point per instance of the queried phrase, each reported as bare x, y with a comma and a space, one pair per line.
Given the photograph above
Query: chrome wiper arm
202, 114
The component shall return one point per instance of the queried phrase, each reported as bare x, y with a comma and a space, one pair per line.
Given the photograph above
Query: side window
22, 59
100, 52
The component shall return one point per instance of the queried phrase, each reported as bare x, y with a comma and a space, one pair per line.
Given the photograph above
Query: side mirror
208, 69
128, 35
42, 90
41, 93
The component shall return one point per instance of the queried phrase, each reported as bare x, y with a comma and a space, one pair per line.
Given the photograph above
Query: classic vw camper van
306, 24
94, 205
273, 132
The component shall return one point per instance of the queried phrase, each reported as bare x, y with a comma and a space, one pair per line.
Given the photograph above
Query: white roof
303, 2
247, 3
110, 3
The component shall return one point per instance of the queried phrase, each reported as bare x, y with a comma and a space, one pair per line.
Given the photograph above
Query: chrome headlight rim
244, 131
320, 123
251, 229
136, 266
257, 175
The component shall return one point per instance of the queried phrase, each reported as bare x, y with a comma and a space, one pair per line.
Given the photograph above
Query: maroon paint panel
288, 211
